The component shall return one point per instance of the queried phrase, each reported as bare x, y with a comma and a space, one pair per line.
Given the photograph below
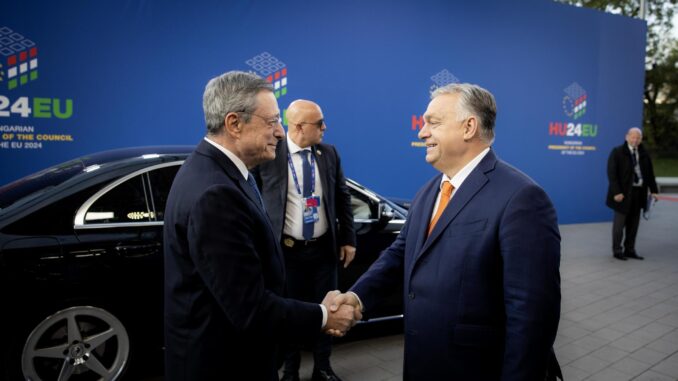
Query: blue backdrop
84, 76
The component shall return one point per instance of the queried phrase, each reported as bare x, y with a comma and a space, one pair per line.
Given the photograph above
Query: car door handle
138, 250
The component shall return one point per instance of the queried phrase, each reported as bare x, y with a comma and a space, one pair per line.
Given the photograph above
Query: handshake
343, 312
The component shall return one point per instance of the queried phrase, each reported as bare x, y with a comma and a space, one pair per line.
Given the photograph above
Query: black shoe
324, 375
290, 377
621, 257
634, 256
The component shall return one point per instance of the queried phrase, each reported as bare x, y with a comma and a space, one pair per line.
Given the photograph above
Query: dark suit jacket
482, 292
272, 179
620, 176
224, 275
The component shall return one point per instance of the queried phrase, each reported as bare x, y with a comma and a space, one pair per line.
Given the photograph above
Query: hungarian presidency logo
442, 78
271, 68
19, 64
574, 137
574, 102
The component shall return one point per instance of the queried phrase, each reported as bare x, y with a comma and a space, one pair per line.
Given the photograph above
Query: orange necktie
445, 194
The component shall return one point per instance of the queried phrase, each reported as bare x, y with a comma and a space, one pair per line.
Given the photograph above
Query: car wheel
86, 341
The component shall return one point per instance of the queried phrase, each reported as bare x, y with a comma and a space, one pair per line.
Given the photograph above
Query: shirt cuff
324, 310
362, 308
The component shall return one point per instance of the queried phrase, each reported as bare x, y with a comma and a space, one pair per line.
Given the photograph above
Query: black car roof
132, 152
55, 175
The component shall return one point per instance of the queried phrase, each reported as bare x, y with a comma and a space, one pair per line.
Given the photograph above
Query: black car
81, 274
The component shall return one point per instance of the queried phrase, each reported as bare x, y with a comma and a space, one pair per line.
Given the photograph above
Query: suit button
411, 295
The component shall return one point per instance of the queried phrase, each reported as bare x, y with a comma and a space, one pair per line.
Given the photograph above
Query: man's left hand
346, 254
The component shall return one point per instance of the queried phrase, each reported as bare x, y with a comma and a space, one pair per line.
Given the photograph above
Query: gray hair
474, 100
234, 91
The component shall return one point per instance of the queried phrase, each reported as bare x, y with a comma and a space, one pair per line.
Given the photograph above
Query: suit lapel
321, 159
232, 171
468, 189
282, 167
428, 202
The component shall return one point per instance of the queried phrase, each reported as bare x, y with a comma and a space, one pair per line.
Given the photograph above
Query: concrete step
667, 184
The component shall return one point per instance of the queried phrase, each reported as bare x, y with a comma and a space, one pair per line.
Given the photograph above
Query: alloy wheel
77, 343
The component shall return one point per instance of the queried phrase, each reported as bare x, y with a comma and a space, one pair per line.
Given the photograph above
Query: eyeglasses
318, 124
273, 121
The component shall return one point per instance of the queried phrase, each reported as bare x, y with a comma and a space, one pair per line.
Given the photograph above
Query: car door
119, 231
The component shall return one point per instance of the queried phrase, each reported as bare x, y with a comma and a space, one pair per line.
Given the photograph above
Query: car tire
74, 341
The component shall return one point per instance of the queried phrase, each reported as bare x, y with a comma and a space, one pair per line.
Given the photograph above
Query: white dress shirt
459, 178
294, 213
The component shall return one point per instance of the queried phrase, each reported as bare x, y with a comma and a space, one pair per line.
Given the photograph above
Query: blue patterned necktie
306, 173
253, 184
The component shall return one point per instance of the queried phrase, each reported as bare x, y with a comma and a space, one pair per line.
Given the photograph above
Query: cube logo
574, 102
271, 68
442, 78
18, 59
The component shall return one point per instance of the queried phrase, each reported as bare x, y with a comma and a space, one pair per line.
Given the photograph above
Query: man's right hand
339, 318
337, 302
619, 197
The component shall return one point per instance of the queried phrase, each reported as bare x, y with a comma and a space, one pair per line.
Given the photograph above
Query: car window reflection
125, 203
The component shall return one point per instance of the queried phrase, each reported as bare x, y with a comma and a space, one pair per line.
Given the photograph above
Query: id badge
311, 205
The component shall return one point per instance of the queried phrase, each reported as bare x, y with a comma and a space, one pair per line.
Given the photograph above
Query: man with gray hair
478, 257
225, 313
631, 177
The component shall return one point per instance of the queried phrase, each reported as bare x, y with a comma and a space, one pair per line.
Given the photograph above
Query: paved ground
619, 319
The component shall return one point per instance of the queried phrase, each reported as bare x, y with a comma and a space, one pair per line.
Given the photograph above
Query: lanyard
294, 173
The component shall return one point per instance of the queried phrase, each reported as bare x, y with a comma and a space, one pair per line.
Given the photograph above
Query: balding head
305, 121
634, 136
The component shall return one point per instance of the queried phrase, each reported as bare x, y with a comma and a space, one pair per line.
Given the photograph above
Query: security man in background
309, 205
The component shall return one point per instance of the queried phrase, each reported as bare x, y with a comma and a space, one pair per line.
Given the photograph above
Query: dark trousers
311, 272
626, 225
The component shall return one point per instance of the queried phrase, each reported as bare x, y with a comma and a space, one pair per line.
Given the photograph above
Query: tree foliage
660, 113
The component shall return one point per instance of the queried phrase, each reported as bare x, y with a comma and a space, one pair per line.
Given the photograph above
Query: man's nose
279, 133
424, 132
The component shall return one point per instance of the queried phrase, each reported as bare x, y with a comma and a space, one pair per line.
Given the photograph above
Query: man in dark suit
309, 204
630, 176
224, 271
478, 256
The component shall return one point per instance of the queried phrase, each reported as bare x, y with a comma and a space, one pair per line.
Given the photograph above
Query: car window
127, 202
161, 182
363, 207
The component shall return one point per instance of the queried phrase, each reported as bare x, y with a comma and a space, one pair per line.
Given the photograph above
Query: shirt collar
631, 148
293, 147
235, 159
459, 178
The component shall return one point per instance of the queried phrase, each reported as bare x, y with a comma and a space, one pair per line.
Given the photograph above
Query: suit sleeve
226, 244
530, 249
613, 173
346, 231
384, 275
651, 180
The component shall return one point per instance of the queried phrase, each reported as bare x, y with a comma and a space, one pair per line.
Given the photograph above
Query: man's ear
470, 128
232, 124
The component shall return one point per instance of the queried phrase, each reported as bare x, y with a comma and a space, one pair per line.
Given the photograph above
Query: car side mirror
386, 214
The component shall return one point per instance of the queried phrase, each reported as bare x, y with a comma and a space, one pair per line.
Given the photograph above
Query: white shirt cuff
324, 309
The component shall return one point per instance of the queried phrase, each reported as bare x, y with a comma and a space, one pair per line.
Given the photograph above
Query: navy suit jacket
272, 179
482, 292
224, 277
